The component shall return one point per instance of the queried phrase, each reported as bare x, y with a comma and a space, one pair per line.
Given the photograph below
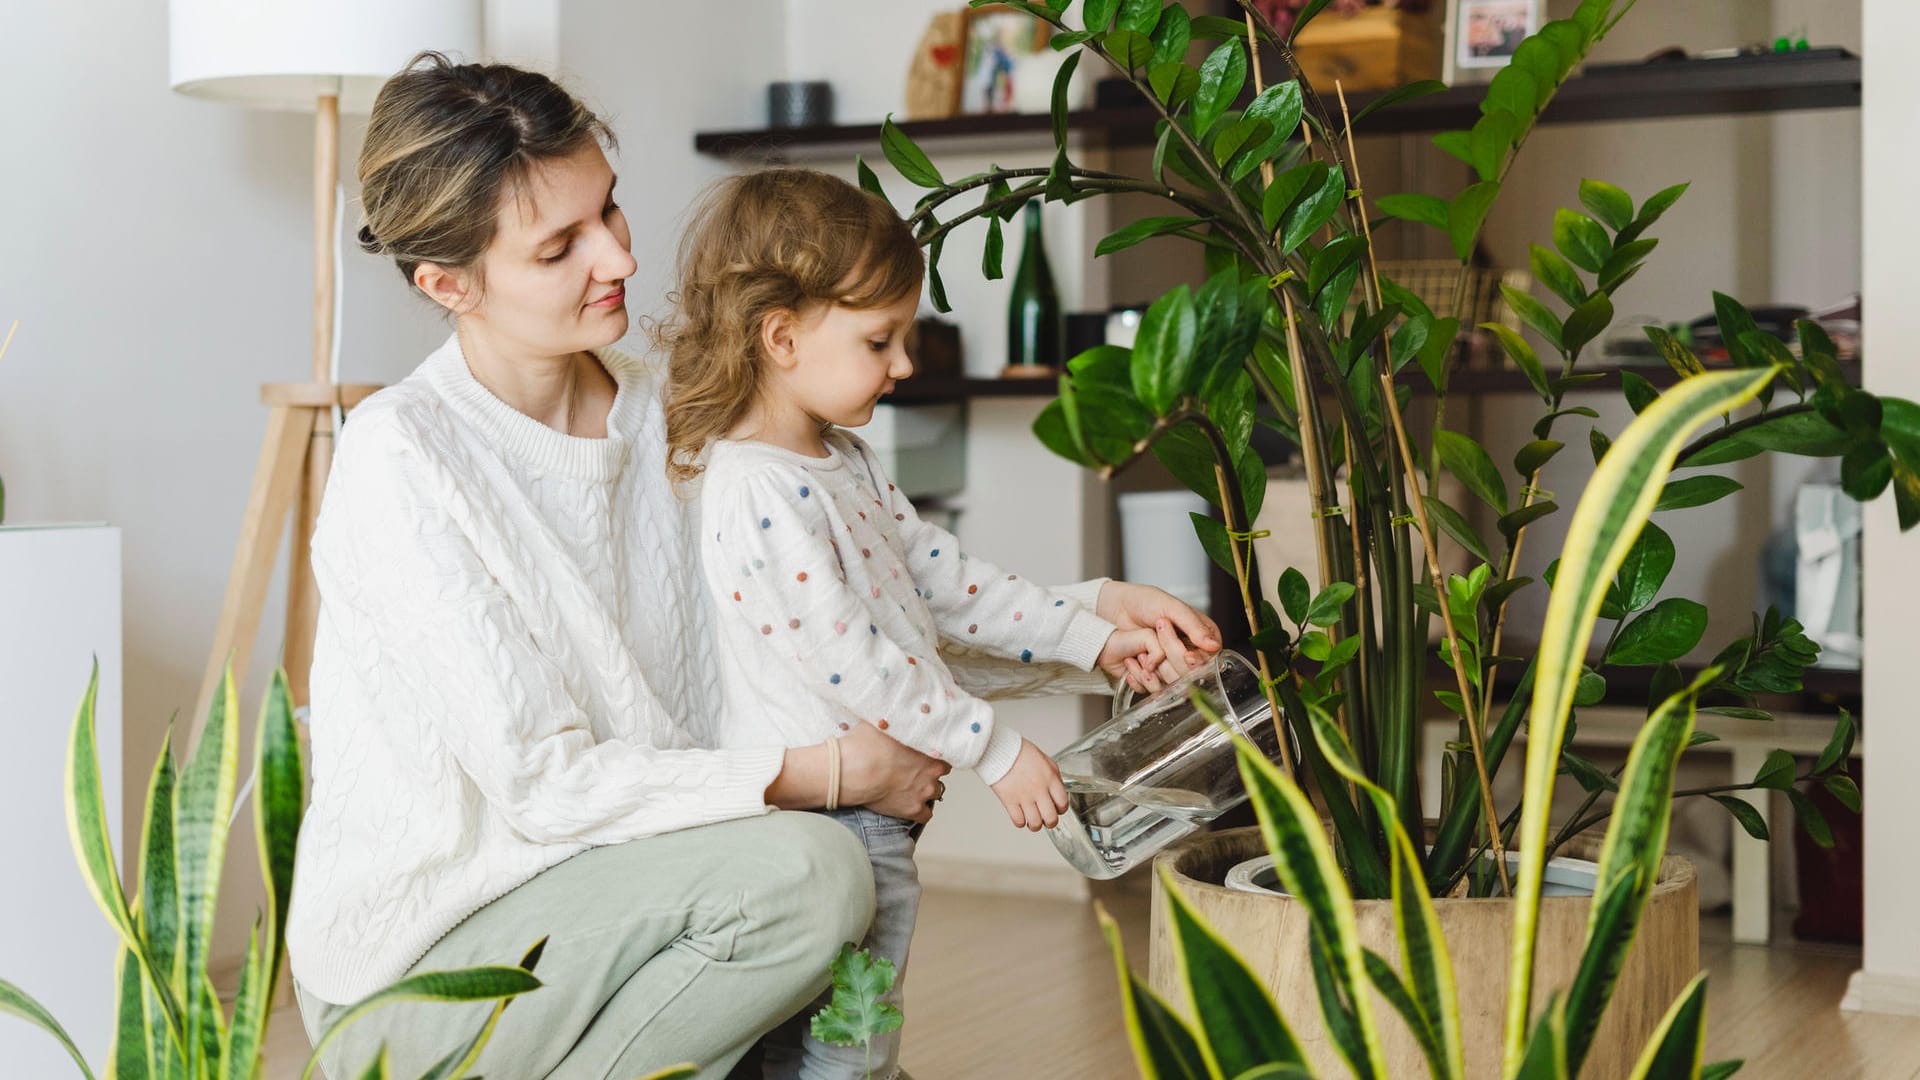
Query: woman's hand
875, 772
1186, 636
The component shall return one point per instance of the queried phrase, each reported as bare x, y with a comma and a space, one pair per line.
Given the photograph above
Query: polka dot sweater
835, 600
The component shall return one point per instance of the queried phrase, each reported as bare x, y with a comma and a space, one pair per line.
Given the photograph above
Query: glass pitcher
1159, 769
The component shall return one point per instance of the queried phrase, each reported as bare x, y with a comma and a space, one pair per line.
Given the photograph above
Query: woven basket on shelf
1432, 280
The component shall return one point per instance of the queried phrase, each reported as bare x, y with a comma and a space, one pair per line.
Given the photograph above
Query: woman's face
554, 274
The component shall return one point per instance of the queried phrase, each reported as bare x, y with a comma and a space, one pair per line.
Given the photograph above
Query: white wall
1890, 980
157, 253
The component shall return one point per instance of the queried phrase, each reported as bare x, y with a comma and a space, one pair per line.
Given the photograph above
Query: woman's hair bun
370, 243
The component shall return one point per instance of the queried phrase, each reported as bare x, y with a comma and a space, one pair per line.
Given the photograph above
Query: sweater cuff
1003, 748
1086, 635
1084, 593
741, 781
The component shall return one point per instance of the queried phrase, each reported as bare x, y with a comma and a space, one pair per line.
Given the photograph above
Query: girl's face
552, 281
840, 361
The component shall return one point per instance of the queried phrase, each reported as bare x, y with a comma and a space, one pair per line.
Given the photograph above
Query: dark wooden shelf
1824, 691
1662, 91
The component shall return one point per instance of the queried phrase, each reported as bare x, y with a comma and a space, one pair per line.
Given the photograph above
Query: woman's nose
616, 262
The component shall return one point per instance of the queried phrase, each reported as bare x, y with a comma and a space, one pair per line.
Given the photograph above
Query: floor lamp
327, 56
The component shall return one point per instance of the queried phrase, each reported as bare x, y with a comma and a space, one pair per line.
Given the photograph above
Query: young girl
836, 599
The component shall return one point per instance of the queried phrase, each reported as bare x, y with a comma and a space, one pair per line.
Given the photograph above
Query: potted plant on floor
1297, 330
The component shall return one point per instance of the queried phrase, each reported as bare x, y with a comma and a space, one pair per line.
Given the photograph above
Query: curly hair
760, 243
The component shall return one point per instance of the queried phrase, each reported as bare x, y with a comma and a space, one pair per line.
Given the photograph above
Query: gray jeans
791, 1051
685, 947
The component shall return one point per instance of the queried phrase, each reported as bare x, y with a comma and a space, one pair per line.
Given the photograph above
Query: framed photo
1008, 65
1483, 34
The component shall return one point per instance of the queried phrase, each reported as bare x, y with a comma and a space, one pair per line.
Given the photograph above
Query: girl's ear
776, 338
450, 289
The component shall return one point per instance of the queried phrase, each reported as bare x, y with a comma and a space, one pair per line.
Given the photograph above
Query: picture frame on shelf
1007, 66
933, 79
1482, 36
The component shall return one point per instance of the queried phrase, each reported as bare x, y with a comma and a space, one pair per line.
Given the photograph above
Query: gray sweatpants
679, 948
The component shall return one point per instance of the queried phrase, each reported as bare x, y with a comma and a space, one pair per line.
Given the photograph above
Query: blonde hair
759, 243
444, 141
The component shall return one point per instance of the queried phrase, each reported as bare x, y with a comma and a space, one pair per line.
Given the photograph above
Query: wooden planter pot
1270, 932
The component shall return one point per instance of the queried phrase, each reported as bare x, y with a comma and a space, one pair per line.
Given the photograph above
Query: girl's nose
902, 365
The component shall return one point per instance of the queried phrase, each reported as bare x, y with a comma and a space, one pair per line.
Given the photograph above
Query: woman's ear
449, 288
776, 338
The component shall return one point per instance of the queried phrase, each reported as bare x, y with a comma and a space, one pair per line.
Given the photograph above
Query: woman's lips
612, 299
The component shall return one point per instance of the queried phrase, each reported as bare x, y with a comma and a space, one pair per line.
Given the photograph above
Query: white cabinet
59, 613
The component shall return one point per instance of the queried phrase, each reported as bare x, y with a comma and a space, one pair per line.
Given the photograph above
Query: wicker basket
1432, 280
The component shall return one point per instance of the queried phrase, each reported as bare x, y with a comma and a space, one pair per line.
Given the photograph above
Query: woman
511, 682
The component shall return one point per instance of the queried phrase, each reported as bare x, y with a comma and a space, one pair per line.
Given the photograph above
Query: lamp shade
284, 54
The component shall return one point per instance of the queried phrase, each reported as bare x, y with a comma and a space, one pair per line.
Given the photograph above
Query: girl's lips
612, 299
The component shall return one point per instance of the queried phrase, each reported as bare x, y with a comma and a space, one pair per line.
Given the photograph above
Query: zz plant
1296, 330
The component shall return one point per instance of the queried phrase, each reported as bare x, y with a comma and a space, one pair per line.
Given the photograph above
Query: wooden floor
1022, 989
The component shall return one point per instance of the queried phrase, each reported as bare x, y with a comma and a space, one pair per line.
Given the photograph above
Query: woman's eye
556, 258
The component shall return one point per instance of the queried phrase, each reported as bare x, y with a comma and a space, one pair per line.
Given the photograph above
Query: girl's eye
877, 346
609, 211
558, 257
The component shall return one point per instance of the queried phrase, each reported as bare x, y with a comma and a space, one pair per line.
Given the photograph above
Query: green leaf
1608, 203
1735, 321
1675, 1046
1331, 261
1456, 144
995, 249
1492, 136
1239, 1026
857, 1014
1468, 462
1626, 260
1173, 83
1534, 456
1667, 631
1454, 524
1307, 12
1163, 1045
1128, 235
1866, 470
1598, 442
1279, 106
1163, 350
1720, 1070
1070, 39
1315, 208
1534, 314
1433, 355
1217, 28
1287, 188
1581, 240
1466, 214
868, 181
1812, 821
1744, 813
1639, 392
1611, 512
1558, 276
936, 289
1678, 356
1130, 49
1416, 207
1214, 540
1696, 491
485, 983
1221, 76
907, 157
1775, 772
1545, 1057
1140, 16
1172, 35
1839, 745
203, 807
1522, 355
1097, 15
1587, 322
1397, 994
1511, 524
1295, 595
1845, 790
1646, 566
1325, 609
21, 1004
1657, 204
1235, 135
1062, 81
1398, 95
1515, 91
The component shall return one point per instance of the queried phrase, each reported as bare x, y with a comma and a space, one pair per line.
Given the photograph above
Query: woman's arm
877, 772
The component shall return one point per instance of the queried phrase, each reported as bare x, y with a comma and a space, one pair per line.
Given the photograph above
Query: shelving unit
1663, 91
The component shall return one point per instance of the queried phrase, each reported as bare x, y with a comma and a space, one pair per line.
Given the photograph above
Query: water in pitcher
1159, 770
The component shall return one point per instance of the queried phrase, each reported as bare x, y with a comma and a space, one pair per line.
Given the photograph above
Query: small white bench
1746, 742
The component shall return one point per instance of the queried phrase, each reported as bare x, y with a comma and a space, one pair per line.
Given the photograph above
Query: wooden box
1377, 49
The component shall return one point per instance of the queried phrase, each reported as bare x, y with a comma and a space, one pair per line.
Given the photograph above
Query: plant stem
1467, 699
1721, 434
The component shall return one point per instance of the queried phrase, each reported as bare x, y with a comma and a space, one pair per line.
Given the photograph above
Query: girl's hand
1031, 791
887, 776
1130, 656
1186, 636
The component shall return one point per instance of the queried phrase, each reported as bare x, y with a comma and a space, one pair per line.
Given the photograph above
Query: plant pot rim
1225, 847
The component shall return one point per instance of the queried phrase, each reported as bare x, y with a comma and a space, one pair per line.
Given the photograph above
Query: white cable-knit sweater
834, 599
514, 663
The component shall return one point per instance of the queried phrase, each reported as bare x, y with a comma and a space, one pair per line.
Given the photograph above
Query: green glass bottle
1036, 333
